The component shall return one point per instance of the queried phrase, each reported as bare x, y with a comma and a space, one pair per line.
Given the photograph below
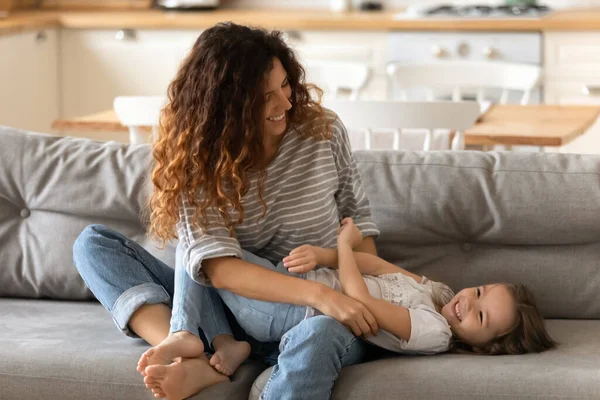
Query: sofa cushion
465, 218
469, 218
72, 351
50, 189
568, 372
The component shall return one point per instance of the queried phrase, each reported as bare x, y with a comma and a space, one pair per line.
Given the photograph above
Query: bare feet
180, 380
178, 344
229, 354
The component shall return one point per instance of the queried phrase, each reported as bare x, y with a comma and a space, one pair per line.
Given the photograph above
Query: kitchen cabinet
29, 80
572, 76
368, 48
98, 65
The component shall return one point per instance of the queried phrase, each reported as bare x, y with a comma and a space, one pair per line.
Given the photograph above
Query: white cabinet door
29, 80
363, 47
572, 55
572, 63
572, 92
98, 65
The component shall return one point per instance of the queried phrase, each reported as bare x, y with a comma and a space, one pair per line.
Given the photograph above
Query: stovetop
481, 11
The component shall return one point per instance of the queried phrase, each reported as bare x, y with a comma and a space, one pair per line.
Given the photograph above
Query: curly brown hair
210, 134
528, 334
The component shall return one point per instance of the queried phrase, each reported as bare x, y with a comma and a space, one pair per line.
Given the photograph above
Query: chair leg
135, 137
458, 143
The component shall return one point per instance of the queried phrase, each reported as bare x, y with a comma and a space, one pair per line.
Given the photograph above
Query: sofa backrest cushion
465, 218
469, 218
50, 189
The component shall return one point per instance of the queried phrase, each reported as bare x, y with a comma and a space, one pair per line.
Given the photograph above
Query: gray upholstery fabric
569, 372
463, 218
470, 218
72, 351
50, 189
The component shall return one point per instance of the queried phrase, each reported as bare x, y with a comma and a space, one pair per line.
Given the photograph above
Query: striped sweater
310, 186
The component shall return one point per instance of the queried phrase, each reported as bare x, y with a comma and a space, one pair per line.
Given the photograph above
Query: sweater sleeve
350, 196
200, 244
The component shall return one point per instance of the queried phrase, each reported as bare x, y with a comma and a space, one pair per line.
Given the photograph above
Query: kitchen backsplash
324, 4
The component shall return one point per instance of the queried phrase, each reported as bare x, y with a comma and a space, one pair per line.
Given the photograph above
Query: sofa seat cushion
72, 351
571, 371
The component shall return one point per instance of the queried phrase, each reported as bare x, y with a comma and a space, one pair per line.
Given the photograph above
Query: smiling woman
245, 159
278, 103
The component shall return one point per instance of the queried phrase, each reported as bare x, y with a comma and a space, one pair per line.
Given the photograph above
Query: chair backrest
136, 112
334, 76
457, 76
395, 116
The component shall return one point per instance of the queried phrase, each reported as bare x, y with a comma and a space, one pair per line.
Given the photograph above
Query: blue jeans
263, 320
124, 276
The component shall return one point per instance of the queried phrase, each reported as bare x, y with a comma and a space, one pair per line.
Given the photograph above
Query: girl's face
480, 314
277, 94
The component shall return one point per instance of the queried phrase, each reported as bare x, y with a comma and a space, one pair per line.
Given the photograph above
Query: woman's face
277, 95
478, 315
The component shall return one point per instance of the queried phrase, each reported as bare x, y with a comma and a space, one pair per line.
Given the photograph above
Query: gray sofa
464, 218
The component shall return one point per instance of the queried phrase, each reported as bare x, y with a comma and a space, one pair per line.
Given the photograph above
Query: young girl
416, 315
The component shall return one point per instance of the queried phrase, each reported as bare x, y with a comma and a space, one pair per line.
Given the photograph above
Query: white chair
335, 76
394, 116
457, 77
136, 112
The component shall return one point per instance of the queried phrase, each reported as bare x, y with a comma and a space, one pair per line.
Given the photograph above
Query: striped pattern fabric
310, 186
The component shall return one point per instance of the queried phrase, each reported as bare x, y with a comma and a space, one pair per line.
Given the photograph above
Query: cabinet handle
489, 52
294, 35
590, 90
126, 34
41, 37
438, 51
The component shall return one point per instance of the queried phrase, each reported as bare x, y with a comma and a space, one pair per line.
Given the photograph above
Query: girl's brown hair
528, 335
211, 131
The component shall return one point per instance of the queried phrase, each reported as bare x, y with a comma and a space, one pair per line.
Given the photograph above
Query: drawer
427, 47
362, 47
584, 91
572, 54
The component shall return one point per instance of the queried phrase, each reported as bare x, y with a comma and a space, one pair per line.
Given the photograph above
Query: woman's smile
277, 118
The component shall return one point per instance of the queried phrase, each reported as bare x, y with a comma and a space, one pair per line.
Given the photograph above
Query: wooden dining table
508, 125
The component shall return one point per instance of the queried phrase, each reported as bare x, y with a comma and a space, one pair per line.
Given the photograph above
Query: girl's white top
430, 332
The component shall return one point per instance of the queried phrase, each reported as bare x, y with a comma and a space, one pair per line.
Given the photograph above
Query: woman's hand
348, 233
301, 259
352, 313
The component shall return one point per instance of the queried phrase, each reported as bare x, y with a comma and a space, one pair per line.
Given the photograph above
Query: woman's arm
256, 282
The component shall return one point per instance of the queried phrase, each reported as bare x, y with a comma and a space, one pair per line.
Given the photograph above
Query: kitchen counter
575, 20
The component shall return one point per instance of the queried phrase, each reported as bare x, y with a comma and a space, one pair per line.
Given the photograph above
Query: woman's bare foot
229, 354
180, 380
178, 344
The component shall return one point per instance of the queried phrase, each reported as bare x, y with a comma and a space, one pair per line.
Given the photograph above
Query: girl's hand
301, 259
348, 233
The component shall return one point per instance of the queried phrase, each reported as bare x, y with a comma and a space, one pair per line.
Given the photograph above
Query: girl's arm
390, 317
368, 264
351, 279
394, 319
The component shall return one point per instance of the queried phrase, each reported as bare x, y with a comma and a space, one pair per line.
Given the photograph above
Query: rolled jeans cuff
132, 299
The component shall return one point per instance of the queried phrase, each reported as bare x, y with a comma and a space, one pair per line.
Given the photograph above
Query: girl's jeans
123, 277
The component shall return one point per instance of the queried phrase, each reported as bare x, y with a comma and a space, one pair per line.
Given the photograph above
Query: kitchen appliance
188, 4
440, 47
521, 10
